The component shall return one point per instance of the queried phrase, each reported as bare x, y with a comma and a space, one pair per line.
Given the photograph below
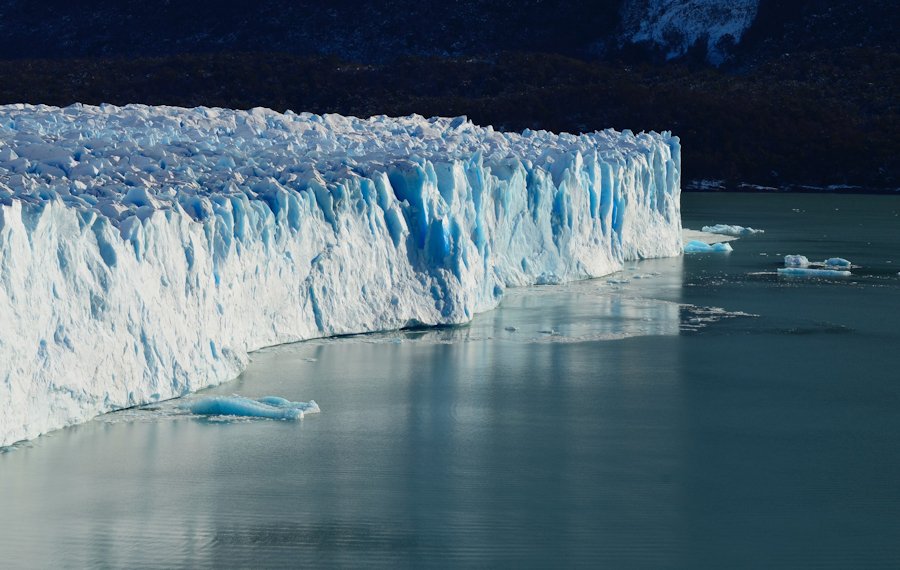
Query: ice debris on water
271, 407
801, 266
696, 246
809, 272
696, 317
737, 231
796, 261
173, 242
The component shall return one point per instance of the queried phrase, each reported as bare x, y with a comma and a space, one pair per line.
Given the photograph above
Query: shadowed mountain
808, 96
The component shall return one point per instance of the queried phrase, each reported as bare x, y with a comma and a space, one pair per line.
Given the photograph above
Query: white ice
796, 261
803, 261
737, 231
689, 235
145, 251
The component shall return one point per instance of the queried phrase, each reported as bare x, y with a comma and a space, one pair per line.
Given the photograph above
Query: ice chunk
696, 246
271, 407
807, 272
172, 242
837, 262
737, 231
796, 261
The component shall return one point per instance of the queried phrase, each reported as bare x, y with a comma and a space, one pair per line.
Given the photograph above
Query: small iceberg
696, 246
807, 272
838, 266
271, 407
837, 262
796, 261
726, 230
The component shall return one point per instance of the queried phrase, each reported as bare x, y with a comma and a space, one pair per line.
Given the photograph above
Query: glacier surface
145, 251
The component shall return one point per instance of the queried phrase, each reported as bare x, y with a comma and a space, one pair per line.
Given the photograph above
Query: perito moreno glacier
145, 251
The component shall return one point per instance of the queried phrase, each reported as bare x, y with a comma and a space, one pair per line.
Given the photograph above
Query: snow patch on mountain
675, 26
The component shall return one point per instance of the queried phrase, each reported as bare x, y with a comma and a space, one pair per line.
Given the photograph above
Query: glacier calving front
144, 251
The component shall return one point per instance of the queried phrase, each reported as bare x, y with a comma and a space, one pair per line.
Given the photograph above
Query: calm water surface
685, 413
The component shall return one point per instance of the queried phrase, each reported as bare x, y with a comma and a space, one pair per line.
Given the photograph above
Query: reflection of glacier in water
514, 453
641, 300
610, 308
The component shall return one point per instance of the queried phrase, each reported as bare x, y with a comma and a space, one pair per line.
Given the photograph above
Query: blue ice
695, 246
837, 262
806, 272
271, 407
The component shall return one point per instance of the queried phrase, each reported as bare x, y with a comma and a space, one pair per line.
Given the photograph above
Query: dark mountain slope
785, 123
809, 95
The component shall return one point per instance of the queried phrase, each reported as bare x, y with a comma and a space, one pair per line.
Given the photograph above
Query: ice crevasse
145, 251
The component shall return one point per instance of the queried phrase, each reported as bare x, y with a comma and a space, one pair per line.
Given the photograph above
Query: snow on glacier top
132, 160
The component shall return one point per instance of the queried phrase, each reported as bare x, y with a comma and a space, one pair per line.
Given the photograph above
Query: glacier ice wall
144, 251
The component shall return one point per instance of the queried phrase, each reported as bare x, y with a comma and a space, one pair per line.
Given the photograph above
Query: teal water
684, 413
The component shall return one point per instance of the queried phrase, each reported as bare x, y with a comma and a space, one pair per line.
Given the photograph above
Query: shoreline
721, 187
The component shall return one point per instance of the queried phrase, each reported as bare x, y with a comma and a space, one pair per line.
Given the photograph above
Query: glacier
146, 251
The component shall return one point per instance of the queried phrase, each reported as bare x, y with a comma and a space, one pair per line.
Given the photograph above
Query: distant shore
720, 186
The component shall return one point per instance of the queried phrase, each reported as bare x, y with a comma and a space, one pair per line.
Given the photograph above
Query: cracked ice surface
144, 251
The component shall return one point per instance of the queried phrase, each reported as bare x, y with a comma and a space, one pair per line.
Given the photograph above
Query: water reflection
504, 441
701, 437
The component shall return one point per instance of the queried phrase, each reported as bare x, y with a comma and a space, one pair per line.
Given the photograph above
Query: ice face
837, 262
737, 231
696, 246
144, 251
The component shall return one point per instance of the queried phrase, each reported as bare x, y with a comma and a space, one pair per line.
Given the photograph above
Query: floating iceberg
145, 251
837, 262
807, 272
796, 261
271, 407
697, 246
737, 231
802, 261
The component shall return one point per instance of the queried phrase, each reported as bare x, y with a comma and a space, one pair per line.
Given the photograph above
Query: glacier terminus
145, 251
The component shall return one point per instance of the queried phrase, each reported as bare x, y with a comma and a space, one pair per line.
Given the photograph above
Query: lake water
690, 412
